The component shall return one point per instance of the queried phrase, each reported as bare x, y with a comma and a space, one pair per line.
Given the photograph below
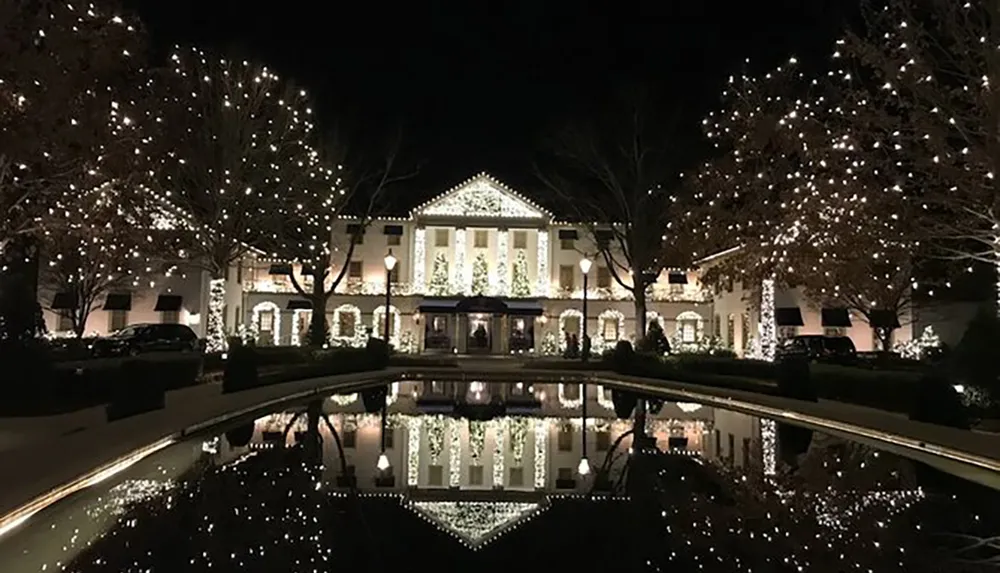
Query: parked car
137, 339
816, 347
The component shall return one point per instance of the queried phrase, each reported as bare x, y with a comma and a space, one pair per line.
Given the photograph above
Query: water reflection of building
533, 443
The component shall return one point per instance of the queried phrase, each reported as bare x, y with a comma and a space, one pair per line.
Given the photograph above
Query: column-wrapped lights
215, 328
502, 270
455, 451
768, 336
420, 261
413, 425
461, 283
541, 451
499, 450
542, 290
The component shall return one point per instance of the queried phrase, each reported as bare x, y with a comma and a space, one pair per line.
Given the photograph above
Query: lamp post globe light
390, 263
585, 264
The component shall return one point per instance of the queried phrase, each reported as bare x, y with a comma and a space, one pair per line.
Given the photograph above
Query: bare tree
618, 176
350, 182
236, 141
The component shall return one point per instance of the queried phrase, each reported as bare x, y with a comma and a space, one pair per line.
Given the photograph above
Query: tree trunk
640, 312
318, 329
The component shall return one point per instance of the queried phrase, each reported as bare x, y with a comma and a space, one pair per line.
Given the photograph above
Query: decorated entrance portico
479, 324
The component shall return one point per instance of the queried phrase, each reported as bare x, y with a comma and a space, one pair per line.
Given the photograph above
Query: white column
542, 288
460, 282
503, 271
420, 261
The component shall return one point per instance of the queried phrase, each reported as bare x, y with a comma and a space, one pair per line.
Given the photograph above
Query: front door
480, 340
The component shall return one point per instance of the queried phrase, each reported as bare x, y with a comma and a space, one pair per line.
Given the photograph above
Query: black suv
137, 339
834, 349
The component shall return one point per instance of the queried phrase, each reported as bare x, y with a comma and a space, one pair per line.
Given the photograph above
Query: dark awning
280, 269
481, 304
299, 304
64, 301
524, 308
438, 305
122, 301
788, 316
883, 319
393, 230
168, 303
836, 317
676, 278
568, 235
355, 229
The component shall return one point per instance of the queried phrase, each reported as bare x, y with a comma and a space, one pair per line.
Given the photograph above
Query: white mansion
480, 268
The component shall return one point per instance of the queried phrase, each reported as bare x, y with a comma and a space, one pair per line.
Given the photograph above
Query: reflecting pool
513, 476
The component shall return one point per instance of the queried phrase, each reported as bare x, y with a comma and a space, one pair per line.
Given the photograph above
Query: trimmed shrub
794, 380
378, 352
241, 369
140, 386
937, 402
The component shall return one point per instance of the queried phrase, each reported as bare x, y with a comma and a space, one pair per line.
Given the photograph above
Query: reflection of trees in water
845, 507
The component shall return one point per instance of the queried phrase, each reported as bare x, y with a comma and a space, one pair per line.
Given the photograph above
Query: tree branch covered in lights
932, 68
617, 176
238, 139
68, 80
345, 184
97, 250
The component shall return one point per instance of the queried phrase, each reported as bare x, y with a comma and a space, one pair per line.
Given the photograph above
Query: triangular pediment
474, 523
483, 197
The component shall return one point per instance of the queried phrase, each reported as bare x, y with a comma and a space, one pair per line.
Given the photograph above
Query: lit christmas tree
480, 275
439, 285
519, 286
234, 132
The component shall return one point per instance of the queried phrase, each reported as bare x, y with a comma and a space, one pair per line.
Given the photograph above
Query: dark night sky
476, 83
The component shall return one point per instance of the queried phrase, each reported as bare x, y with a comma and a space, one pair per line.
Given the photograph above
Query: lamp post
584, 468
390, 263
383, 460
585, 264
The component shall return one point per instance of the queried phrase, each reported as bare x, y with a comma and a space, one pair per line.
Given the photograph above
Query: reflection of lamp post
383, 460
584, 467
390, 263
584, 345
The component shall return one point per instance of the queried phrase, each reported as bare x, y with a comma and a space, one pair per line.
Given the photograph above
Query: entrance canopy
481, 305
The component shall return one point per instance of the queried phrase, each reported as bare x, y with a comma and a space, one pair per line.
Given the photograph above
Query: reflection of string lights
474, 523
769, 441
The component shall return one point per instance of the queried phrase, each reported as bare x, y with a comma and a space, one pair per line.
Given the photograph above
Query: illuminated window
475, 475
117, 320
566, 275
440, 237
567, 244
393, 240
689, 331
610, 329
345, 322
170, 317
354, 270
603, 277
481, 239
266, 320
520, 239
